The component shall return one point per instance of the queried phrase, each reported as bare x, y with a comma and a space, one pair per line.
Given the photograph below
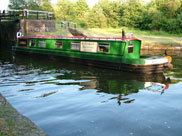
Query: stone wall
9, 29
31, 26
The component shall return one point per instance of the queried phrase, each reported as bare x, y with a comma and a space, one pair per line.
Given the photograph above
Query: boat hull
135, 68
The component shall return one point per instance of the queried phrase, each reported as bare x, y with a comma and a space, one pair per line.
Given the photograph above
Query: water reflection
126, 84
90, 100
103, 80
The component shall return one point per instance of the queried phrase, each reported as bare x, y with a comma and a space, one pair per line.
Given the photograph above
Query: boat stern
163, 60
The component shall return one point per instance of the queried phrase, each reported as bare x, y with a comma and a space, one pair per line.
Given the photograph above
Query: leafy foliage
132, 13
45, 5
160, 15
31, 4
65, 10
111, 11
95, 18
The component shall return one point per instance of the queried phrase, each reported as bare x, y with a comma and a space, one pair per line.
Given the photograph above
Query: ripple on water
71, 100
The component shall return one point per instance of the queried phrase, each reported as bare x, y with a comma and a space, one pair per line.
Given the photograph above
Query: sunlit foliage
31, 4
165, 15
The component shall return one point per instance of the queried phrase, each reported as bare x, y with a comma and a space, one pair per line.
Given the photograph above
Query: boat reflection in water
126, 84
120, 84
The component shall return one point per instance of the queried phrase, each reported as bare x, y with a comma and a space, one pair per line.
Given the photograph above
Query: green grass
133, 30
14, 124
147, 37
7, 125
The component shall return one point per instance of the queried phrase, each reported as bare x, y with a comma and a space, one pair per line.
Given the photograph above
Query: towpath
13, 123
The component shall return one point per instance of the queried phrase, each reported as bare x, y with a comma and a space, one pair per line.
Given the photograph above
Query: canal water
72, 100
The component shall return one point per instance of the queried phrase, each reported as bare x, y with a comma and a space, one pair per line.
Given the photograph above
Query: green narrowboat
115, 53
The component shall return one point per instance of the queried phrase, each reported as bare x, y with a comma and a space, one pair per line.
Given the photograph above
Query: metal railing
67, 24
26, 14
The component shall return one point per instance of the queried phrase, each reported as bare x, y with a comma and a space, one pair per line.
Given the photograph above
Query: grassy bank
14, 124
148, 37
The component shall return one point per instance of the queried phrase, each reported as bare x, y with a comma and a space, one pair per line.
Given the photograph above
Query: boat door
131, 49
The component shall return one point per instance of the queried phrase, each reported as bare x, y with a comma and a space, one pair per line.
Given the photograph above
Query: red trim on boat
84, 38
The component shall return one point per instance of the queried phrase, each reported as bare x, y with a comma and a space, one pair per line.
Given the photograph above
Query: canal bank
158, 46
13, 123
150, 40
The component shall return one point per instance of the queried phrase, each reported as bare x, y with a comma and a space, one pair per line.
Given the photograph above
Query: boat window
75, 45
103, 47
32, 43
58, 44
130, 48
22, 42
42, 43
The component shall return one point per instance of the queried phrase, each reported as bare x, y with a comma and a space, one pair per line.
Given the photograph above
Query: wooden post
37, 15
62, 24
26, 15
22, 14
53, 16
10, 15
14, 14
26, 27
0, 15
3, 15
49, 17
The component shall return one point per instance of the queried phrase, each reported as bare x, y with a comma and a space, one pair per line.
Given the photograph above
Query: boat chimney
123, 33
165, 53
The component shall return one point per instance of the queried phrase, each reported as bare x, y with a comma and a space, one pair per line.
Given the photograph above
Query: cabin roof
81, 38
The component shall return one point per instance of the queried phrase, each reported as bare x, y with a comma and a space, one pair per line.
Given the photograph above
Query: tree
45, 5
31, 4
65, 10
132, 13
111, 11
23, 4
162, 15
95, 18
81, 8
152, 18
169, 7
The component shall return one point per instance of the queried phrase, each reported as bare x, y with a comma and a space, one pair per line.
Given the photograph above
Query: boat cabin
114, 53
127, 48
